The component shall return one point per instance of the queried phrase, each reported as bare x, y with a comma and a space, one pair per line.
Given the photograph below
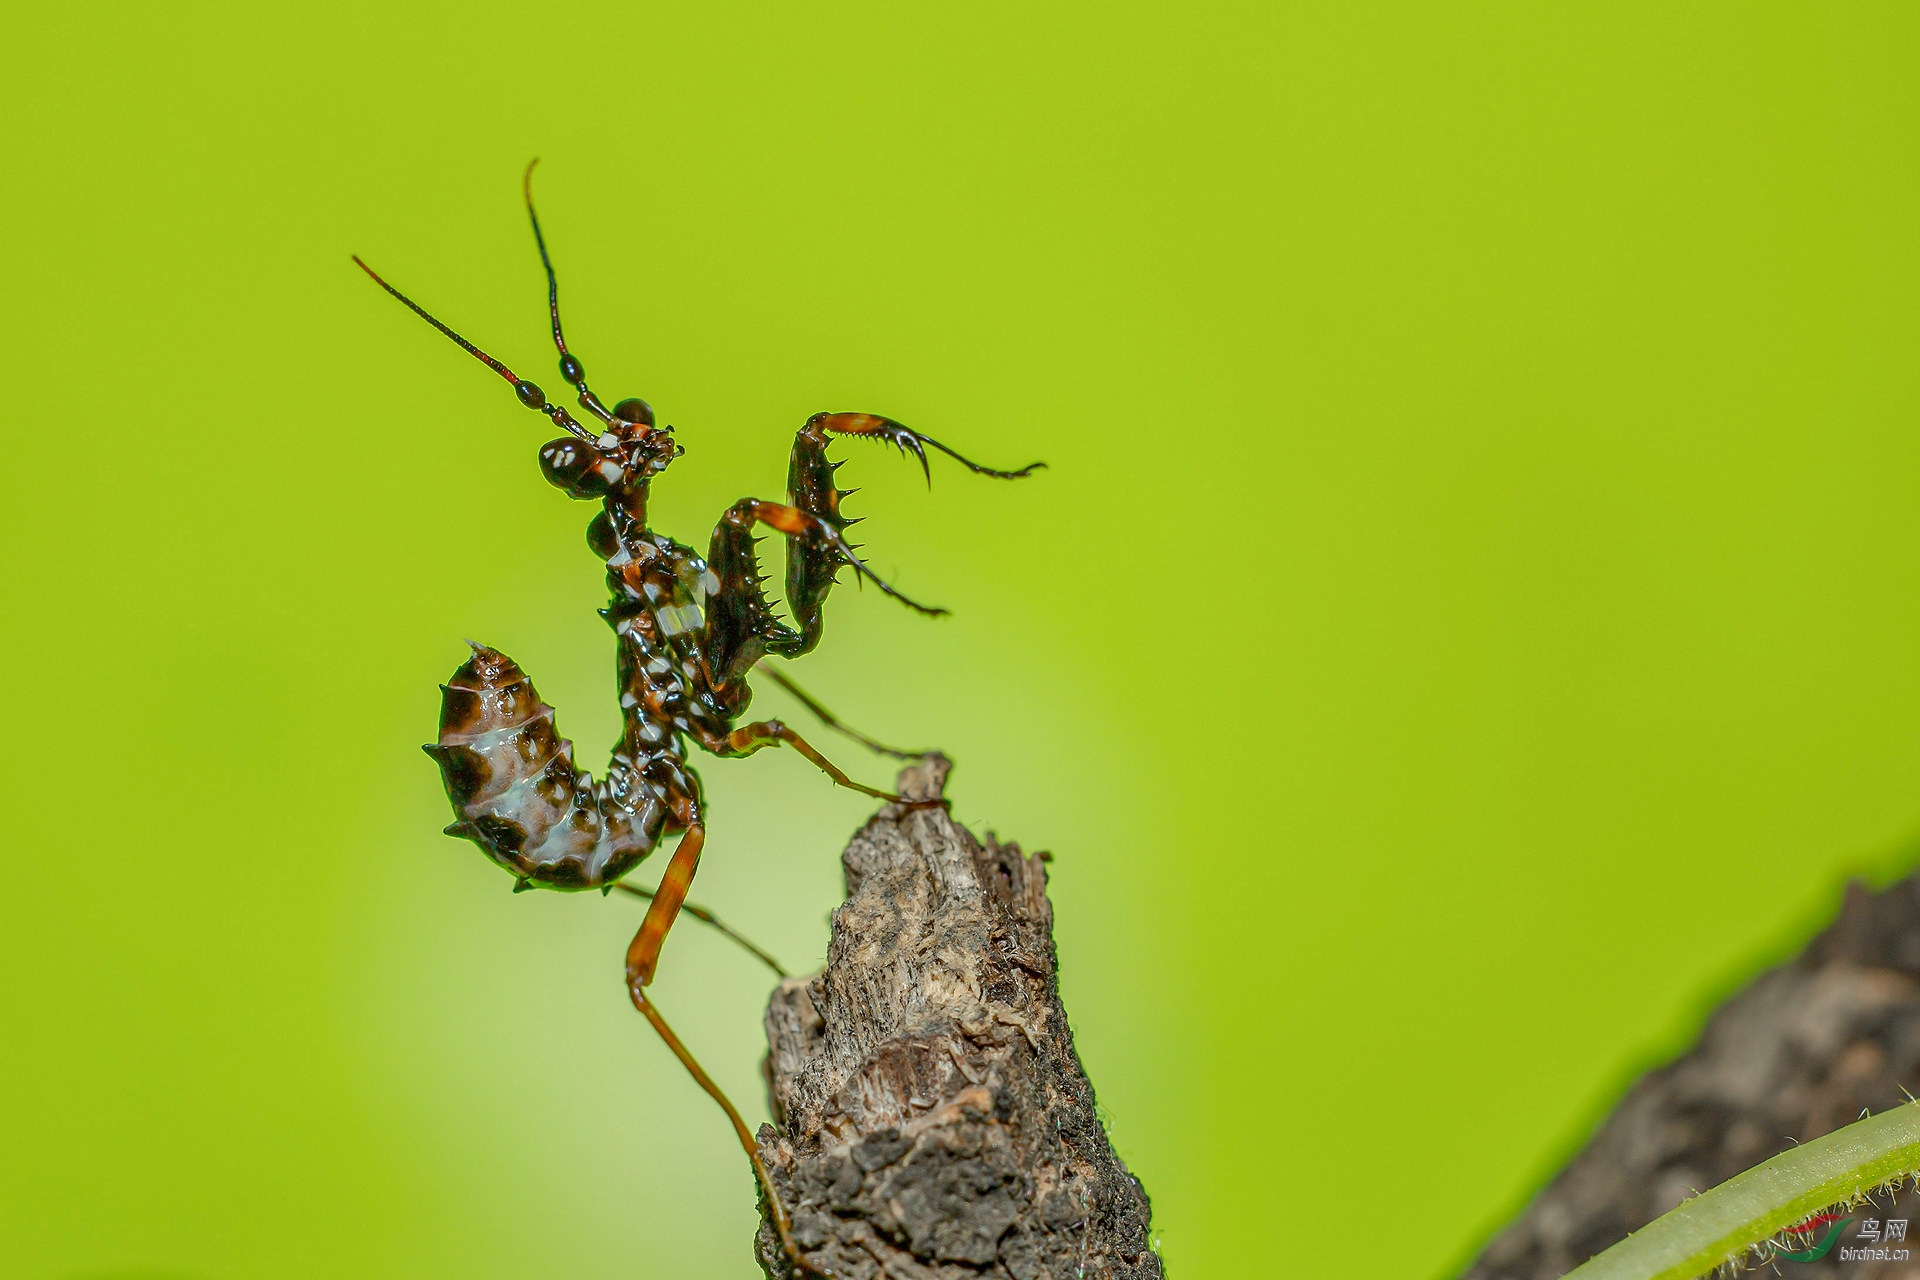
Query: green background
1469, 623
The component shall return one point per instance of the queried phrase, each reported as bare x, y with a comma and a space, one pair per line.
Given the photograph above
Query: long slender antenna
570, 367
530, 394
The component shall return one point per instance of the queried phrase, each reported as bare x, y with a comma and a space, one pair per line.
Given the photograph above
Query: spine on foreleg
515, 790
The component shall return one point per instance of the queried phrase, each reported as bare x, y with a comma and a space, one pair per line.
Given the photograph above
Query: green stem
1724, 1223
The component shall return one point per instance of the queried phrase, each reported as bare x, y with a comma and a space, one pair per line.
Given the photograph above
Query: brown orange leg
777, 1208
642, 957
644, 952
749, 738
707, 917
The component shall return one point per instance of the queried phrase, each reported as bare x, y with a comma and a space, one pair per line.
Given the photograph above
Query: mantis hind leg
776, 1206
642, 957
713, 921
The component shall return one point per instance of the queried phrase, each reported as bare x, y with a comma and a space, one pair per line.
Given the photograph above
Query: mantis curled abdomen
517, 794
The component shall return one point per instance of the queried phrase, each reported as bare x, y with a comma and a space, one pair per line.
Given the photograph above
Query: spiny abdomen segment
516, 793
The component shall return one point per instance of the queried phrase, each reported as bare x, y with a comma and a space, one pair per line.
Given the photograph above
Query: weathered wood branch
933, 1119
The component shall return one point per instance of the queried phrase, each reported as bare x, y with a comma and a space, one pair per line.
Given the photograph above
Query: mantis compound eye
577, 467
634, 410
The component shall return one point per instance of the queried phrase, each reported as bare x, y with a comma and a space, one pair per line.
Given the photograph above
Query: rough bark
1798, 1053
933, 1121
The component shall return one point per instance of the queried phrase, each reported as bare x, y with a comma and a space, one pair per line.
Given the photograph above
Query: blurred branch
1782, 1071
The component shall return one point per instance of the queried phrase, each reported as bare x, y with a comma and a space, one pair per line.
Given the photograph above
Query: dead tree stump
933, 1119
